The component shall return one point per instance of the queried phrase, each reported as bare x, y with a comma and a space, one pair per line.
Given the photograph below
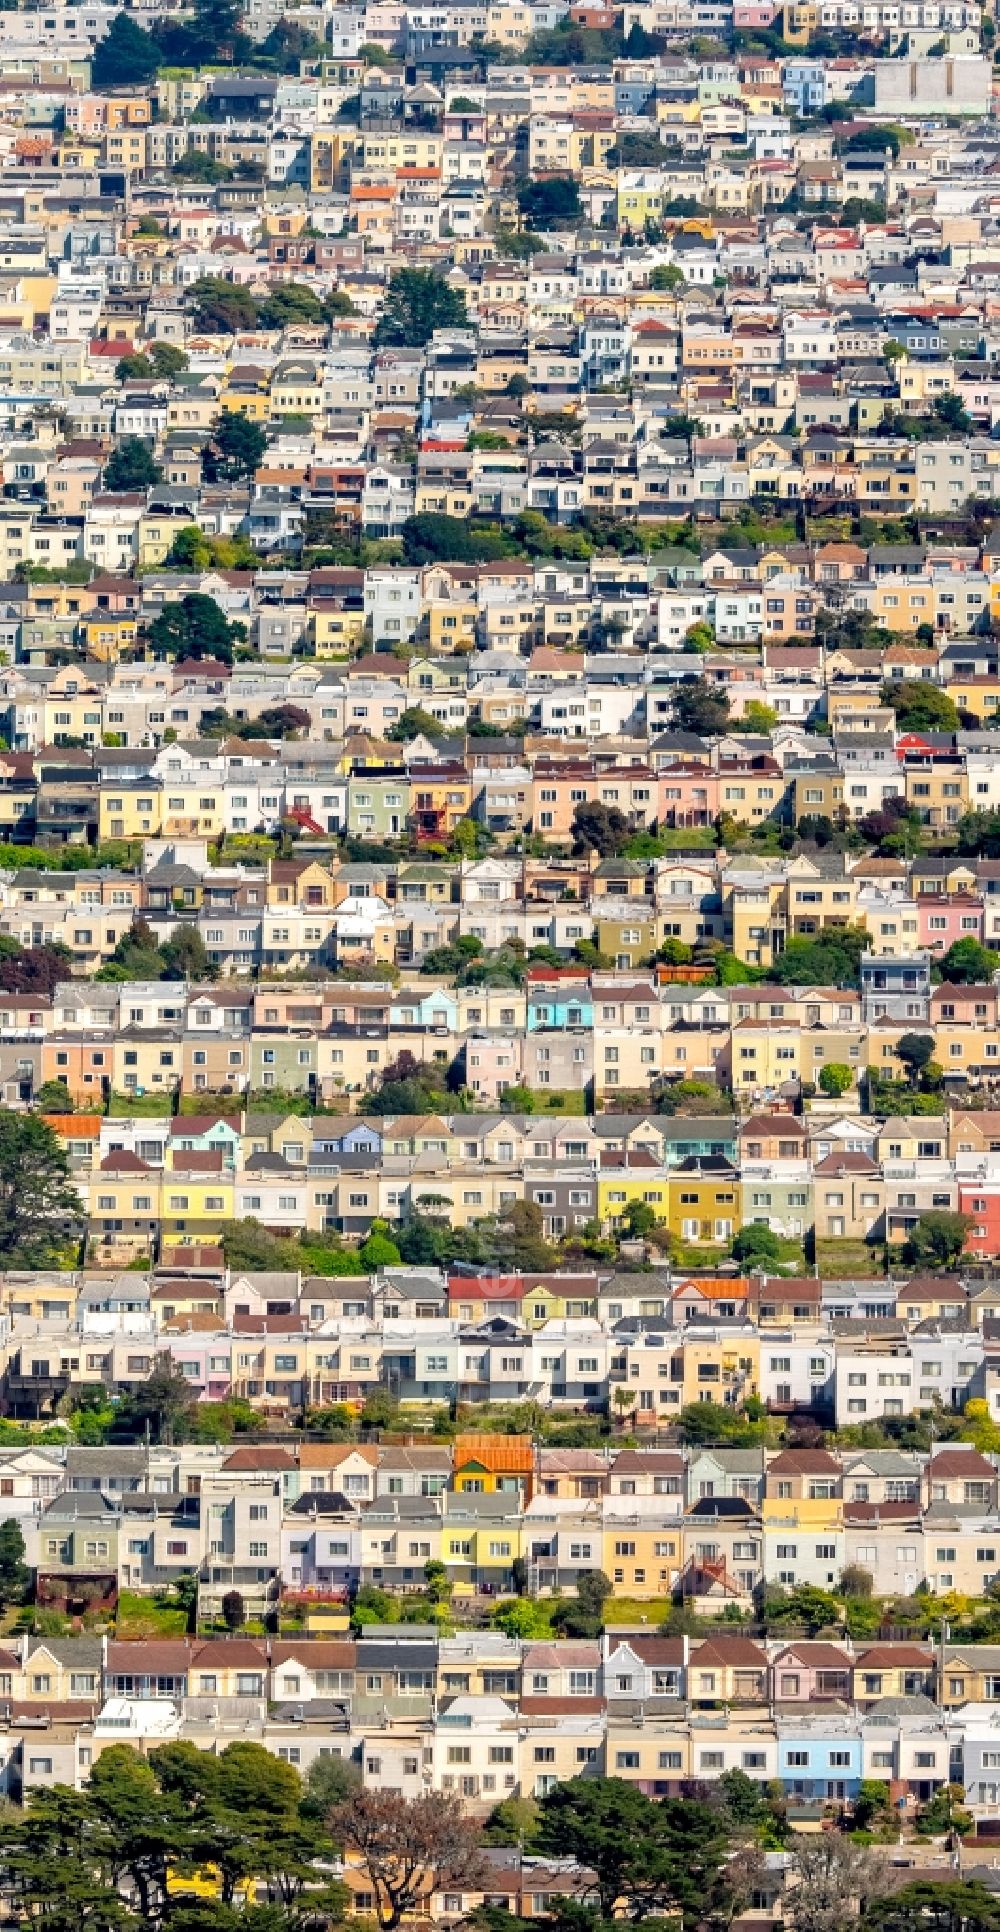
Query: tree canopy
41, 1214
195, 627
417, 302
126, 57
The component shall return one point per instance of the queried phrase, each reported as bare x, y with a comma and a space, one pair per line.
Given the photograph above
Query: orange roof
498, 1453
373, 194
75, 1126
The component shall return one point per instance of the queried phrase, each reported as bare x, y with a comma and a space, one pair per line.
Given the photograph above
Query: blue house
560, 1006
820, 1757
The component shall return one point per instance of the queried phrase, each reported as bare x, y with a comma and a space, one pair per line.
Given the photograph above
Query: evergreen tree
126, 57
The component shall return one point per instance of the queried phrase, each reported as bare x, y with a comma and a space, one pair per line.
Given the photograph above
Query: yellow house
190, 806
72, 713
636, 1555
297, 389
444, 495
617, 1186
194, 410
640, 199
109, 635
762, 1054
980, 695
408, 148
142, 1062
803, 1487
704, 1208
478, 1555
157, 530
198, 1195
333, 152
336, 633
130, 809
902, 605
451, 627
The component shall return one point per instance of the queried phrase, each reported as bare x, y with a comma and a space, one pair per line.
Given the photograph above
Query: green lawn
140, 1106
148, 1617
846, 1260
652, 1610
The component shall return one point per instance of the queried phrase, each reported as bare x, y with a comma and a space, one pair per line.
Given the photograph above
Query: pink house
688, 795
492, 1063
754, 13
942, 919
810, 1673
206, 1362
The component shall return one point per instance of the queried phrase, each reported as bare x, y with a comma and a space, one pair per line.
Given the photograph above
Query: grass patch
552, 1101
140, 1106
695, 1258
844, 1260
650, 1610
148, 1616
679, 838
210, 1103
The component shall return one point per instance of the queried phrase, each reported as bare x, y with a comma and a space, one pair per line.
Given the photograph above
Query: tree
40, 1209
700, 707
951, 412
328, 1782
967, 963
759, 718
184, 956
234, 1614
33, 969
290, 302
410, 1848
599, 828
979, 834
415, 723
198, 165
514, 1821
236, 449
550, 202
195, 627
130, 466
126, 57
832, 959
915, 1050
222, 307
522, 1230
639, 1219
602, 1823
167, 360
137, 368
667, 275
940, 1904
418, 302
920, 705
15, 1576
836, 1882
519, 1617
936, 1239
756, 1246
433, 537
663, 1858
378, 1251
856, 1581
835, 1078
583, 1616
163, 1403
54, 1097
